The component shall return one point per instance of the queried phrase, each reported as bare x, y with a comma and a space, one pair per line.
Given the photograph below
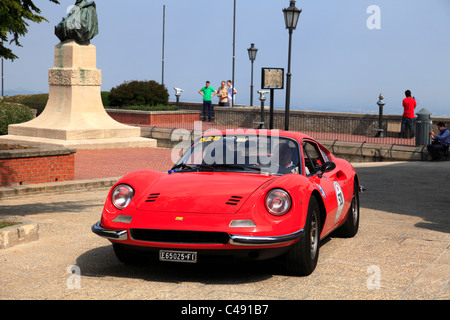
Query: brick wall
33, 169
153, 118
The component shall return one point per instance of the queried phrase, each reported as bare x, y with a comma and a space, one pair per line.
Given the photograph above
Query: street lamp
252, 56
291, 16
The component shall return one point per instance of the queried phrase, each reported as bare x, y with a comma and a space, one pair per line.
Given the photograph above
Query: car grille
175, 236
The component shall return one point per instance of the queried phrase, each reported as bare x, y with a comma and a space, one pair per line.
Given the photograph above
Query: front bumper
251, 241
120, 235
241, 240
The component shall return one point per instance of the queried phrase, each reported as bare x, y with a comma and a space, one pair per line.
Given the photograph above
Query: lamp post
380, 104
252, 56
3, 79
163, 43
291, 16
234, 53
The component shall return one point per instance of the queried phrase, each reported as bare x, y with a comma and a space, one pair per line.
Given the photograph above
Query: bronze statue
81, 23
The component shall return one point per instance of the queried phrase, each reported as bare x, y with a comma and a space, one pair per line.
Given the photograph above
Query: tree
13, 21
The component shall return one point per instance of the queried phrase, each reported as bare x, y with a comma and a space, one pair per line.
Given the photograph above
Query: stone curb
27, 231
24, 232
57, 187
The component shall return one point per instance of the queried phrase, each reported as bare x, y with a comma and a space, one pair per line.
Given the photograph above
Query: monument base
74, 115
86, 144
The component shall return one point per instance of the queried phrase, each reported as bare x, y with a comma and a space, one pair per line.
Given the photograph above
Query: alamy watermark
374, 20
74, 280
73, 19
374, 280
216, 147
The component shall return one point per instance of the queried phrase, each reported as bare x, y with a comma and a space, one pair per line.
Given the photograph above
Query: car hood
201, 192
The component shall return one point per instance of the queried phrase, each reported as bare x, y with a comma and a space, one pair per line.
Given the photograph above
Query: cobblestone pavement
402, 251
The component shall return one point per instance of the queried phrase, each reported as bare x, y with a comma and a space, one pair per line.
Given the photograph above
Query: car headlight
121, 196
278, 202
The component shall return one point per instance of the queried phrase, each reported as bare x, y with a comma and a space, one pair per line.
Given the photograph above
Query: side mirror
327, 166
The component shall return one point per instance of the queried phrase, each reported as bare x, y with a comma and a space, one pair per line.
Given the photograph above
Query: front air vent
234, 200
152, 197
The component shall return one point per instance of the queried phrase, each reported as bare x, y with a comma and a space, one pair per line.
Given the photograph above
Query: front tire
301, 260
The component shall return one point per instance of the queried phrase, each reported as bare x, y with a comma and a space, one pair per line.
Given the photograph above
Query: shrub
105, 98
136, 93
34, 101
11, 113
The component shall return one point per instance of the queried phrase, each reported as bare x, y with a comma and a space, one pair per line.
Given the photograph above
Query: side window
288, 157
313, 158
325, 155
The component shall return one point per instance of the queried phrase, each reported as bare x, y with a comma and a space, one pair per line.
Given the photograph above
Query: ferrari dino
255, 194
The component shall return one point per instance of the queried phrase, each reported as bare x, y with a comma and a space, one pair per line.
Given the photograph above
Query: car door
331, 190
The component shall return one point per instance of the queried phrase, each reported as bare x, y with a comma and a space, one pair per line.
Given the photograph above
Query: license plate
178, 256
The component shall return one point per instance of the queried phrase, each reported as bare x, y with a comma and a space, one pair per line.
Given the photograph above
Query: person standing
222, 93
409, 104
231, 92
207, 92
440, 141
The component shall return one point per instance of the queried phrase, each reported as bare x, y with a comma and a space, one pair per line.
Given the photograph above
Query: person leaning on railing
440, 142
409, 104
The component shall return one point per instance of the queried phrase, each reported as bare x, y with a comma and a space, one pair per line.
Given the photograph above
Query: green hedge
139, 93
11, 113
39, 101
34, 101
105, 98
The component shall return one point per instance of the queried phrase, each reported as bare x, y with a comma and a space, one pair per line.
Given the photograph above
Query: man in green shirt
207, 92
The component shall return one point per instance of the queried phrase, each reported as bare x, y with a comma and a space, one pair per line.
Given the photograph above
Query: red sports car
254, 194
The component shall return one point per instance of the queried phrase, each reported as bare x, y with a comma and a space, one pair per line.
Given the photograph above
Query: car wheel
124, 255
350, 227
302, 258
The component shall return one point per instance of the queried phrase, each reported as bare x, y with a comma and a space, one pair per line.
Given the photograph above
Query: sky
344, 53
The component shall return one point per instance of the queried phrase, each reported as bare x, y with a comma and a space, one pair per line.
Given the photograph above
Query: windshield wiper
236, 166
212, 167
204, 166
182, 166
227, 165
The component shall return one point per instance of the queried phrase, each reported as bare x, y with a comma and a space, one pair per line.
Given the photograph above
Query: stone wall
354, 152
306, 121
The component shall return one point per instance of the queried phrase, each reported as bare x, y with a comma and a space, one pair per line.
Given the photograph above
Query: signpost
272, 78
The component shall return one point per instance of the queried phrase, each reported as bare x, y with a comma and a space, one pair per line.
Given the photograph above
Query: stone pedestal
74, 115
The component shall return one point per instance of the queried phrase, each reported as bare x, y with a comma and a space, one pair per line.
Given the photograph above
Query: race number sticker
340, 200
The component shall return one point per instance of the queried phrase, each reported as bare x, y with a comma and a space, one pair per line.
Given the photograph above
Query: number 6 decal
340, 200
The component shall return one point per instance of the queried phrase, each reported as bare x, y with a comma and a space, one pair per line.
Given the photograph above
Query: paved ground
92, 164
401, 252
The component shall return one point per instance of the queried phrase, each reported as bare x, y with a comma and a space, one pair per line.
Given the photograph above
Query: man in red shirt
409, 104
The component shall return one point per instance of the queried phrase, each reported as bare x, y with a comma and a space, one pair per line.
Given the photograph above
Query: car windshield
241, 153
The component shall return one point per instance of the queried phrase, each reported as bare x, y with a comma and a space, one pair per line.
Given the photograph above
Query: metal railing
332, 127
